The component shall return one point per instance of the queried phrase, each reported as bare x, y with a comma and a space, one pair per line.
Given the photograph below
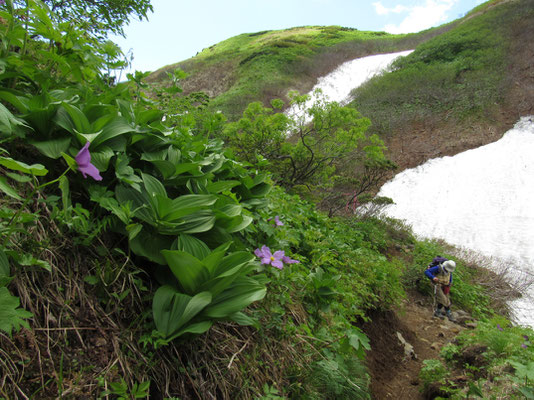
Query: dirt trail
394, 375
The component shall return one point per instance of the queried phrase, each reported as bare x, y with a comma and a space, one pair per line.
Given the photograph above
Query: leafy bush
309, 153
432, 371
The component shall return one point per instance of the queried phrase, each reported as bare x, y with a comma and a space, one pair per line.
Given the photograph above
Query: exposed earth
394, 371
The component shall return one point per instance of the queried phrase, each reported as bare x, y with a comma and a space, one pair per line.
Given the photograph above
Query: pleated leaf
188, 270
172, 310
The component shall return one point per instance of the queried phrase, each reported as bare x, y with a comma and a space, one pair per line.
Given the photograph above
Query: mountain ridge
415, 139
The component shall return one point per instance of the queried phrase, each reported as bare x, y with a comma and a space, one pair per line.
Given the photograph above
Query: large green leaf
8, 122
102, 157
34, 169
172, 309
234, 224
186, 167
139, 201
223, 281
184, 205
214, 258
192, 245
188, 270
200, 221
153, 186
244, 320
221, 186
230, 210
148, 243
195, 328
166, 168
7, 189
240, 295
238, 258
116, 127
19, 102
78, 118
53, 148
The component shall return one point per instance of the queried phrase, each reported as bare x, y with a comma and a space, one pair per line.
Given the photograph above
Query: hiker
439, 271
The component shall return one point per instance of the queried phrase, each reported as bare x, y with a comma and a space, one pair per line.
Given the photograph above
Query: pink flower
269, 258
83, 159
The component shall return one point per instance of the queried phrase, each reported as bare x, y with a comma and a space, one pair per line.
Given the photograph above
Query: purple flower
269, 258
525, 337
288, 260
277, 221
499, 327
523, 345
83, 159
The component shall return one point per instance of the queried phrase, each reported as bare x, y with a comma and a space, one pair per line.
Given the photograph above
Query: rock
471, 325
461, 317
462, 313
435, 345
409, 352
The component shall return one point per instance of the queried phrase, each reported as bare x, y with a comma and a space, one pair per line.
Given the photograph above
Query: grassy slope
461, 89
266, 65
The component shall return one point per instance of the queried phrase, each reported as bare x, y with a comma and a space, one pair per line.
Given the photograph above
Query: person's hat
449, 266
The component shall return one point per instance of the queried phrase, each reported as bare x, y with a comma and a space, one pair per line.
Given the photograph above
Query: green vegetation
141, 258
309, 154
497, 358
265, 65
457, 76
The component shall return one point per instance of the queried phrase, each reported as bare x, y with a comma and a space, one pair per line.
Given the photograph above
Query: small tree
324, 150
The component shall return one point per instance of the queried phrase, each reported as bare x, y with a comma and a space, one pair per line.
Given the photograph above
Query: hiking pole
434, 298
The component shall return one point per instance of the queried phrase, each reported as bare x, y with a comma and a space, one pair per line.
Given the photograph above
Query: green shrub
432, 371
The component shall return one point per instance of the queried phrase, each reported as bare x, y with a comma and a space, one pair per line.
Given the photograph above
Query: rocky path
395, 366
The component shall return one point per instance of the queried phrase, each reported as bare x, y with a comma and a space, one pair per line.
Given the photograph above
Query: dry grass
84, 337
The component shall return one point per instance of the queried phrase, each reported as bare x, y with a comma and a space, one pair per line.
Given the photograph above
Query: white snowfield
481, 199
337, 85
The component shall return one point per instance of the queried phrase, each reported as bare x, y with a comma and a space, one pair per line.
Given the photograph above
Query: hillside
143, 256
266, 65
453, 104
460, 90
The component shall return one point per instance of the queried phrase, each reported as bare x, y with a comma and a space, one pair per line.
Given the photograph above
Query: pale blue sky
177, 30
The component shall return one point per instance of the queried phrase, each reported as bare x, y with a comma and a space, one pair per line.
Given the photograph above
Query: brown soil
393, 374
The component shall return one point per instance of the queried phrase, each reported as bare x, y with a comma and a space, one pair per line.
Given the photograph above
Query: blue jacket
433, 271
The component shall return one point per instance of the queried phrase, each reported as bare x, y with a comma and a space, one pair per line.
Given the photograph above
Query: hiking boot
449, 316
438, 313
